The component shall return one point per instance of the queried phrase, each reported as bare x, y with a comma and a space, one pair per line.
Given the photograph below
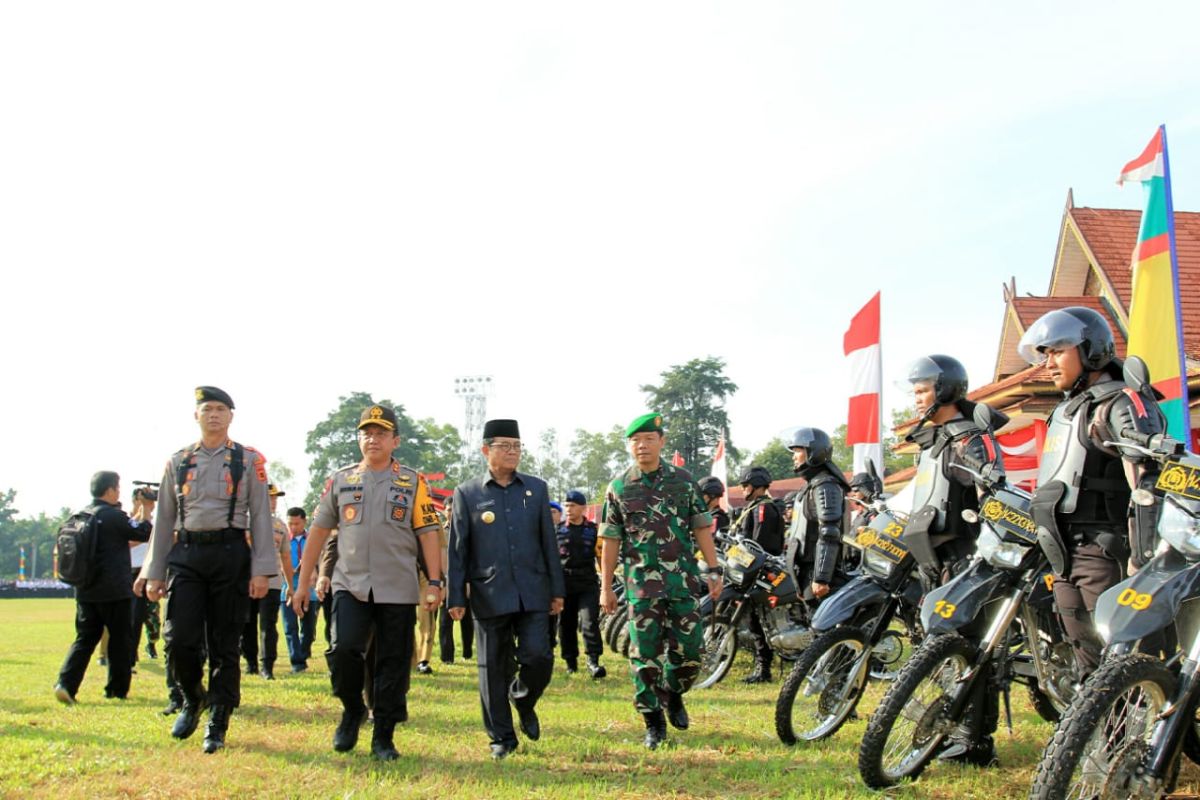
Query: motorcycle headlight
997, 552
1178, 528
877, 563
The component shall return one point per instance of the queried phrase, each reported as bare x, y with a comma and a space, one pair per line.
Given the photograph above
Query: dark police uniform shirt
109, 578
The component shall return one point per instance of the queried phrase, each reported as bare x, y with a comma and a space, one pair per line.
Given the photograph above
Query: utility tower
474, 390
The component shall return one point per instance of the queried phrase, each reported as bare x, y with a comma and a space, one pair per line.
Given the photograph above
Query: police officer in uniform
384, 516
712, 490
200, 558
761, 521
815, 539
865, 487
577, 544
1086, 524
938, 536
502, 545
654, 519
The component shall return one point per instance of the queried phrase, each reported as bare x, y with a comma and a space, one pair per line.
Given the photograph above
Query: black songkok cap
501, 427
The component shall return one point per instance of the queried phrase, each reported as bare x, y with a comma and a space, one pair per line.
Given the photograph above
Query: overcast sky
294, 201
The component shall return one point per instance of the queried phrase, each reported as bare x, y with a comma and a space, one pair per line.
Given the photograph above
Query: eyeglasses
375, 434
507, 447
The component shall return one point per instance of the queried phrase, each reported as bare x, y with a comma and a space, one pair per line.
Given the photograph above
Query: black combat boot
656, 729
962, 748
761, 673
593, 665
218, 723
189, 717
382, 746
346, 734
676, 714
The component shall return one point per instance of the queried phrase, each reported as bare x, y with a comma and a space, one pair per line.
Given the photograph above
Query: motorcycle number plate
1010, 519
739, 556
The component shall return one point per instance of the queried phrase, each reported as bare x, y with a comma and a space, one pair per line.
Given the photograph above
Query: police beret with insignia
206, 393
575, 496
501, 427
273, 491
646, 423
556, 506
382, 416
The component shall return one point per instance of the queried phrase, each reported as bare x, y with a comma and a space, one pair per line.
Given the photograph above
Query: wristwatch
436, 582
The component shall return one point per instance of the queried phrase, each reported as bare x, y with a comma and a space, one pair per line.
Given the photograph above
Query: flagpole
879, 466
1170, 203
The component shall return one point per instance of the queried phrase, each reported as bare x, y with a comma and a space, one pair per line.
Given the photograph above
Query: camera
146, 490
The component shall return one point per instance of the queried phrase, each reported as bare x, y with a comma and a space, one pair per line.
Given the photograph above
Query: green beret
646, 423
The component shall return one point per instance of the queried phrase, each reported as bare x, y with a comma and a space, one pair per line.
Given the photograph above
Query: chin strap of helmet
923, 420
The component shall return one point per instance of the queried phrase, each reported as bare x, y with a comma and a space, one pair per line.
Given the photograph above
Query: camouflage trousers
665, 639
153, 622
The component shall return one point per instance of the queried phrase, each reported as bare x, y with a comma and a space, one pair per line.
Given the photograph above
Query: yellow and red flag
1155, 322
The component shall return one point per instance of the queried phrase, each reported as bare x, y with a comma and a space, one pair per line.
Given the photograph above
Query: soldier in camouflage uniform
654, 519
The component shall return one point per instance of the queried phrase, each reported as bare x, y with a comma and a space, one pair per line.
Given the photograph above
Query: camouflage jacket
653, 516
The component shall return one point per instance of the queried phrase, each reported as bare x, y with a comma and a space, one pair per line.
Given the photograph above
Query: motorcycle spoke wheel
823, 688
720, 649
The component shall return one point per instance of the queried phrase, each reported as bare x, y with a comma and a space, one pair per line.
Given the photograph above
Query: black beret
205, 393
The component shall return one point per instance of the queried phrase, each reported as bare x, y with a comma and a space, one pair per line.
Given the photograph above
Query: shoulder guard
960, 428
1127, 410
828, 500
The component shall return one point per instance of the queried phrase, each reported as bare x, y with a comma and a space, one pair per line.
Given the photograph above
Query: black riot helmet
948, 376
757, 477
866, 483
816, 442
711, 486
1074, 326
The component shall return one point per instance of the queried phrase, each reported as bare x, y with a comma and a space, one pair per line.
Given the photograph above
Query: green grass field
279, 740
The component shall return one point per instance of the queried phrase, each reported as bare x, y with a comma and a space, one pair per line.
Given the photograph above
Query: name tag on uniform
485, 504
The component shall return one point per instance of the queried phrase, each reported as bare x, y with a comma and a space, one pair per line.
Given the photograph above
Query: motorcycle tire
614, 630
817, 697
1103, 734
718, 653
898, 746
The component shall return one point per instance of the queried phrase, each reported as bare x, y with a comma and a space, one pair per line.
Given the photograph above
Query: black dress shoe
676, 714
656, 729
530, 725
593, 665
572, 665
173, 707
267, 674
64, 695
423, 668
188, 719
346, 735
503, 751
214, 733
150, 650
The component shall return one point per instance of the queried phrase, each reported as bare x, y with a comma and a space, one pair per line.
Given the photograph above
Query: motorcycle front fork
996, 633
1171, 727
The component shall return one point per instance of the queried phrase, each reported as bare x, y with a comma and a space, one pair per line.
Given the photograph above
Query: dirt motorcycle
855, 639
1136, 714
755, 582
997, 612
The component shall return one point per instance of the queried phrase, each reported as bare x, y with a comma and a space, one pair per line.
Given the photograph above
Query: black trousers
1092, 571
268, 628
466, 630
249, 640
91, 619
581, 611
352, 623
500, 660
207, 602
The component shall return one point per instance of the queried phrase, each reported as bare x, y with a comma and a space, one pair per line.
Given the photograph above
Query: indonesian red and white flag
720, 470
1022, 454
677, 460
864, 429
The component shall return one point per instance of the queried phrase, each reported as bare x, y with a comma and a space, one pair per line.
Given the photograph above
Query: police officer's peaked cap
646, 423
206, 393
501, 427
575, 496
274, 491
382, 416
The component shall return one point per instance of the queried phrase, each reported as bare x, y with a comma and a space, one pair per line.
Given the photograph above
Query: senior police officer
212, 493
654, 517
503, 546
577, 541
1082, 503
761, 521
384, 516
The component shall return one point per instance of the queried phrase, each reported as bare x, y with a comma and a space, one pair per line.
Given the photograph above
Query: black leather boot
218, 723
676, 714
382, 746
346, 734
761, 673
189, 717
656, 729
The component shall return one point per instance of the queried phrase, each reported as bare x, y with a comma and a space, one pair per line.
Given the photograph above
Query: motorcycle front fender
1147, 601
956, 603
845, 602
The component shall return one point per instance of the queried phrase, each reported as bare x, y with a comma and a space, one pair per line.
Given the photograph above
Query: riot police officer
937, 535
577, 550
864, 488
1082, 503
815, 540
761, 521
712, 490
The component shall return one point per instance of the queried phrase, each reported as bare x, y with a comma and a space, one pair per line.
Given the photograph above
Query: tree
776, 457
691, 399
441, 450
283, 476
595, 459
333, 443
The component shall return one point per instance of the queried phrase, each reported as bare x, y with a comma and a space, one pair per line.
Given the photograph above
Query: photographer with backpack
99, 569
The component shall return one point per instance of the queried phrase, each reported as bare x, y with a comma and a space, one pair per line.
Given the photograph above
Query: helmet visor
1057, 330
922, 370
